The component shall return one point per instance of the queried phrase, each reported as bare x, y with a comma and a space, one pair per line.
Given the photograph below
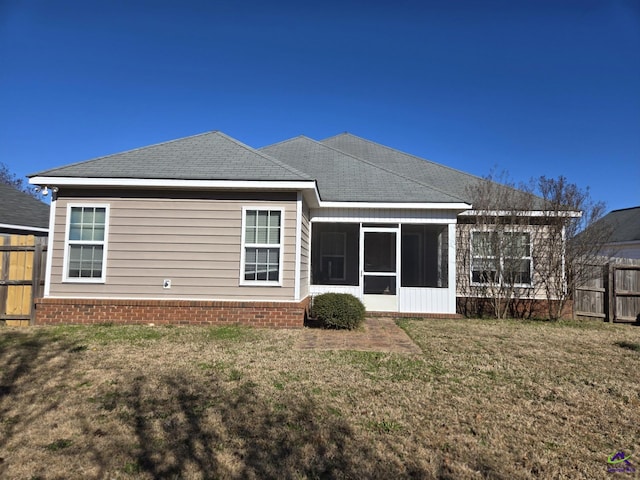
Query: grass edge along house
205, 229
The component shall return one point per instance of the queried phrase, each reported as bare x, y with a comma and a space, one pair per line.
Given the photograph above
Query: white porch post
452, 267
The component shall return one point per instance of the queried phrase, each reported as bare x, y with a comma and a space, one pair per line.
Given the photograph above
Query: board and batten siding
194, 242
387, 215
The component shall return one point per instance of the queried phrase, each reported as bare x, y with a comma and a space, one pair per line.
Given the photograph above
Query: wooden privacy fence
22, 268
611, 292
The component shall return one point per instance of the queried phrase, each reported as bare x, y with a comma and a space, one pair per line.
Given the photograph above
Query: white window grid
85, 241
262, 246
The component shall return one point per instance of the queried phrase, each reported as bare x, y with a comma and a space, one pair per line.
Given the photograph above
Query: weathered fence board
22, 266
611, 291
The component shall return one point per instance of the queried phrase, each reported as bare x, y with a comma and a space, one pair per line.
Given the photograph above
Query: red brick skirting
50, 311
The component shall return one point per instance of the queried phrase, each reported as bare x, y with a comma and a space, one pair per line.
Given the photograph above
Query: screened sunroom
401, 267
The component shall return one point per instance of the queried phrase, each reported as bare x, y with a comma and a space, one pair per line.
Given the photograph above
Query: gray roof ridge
470, 175
283, 141
624, 209
275, 161
265, 156
125, 151
388, 170
404, 153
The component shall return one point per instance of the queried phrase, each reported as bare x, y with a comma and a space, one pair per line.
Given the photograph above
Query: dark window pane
335, 254
424, 256
379, 252
379, 285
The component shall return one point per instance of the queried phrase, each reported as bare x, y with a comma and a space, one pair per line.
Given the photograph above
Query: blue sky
528, 87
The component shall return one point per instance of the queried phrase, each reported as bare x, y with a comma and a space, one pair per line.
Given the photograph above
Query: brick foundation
521, 308
52, 311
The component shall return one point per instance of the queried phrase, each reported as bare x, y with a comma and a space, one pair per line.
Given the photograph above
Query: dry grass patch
487, 399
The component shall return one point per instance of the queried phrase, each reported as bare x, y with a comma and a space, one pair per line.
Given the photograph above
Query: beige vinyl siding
305, 257
194, 242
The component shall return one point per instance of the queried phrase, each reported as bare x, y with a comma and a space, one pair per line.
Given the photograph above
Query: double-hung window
501, 258
262, 233
517, 258
85, 252
484, 257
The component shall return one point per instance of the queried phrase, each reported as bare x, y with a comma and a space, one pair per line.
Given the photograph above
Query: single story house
205, 229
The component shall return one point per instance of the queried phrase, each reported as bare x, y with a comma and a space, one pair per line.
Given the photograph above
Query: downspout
50, 237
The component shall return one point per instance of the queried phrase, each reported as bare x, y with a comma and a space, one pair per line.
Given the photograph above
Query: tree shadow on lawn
169, 424
31, 366
220, 432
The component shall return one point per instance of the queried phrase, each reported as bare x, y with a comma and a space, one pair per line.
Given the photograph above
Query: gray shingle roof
346, 167
342, 177
435, 175
438, 176
625, 224
208, 156
19, 208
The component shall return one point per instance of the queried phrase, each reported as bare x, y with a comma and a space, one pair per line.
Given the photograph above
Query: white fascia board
24, 227
413, 206
171, 183
523, 213
234, 184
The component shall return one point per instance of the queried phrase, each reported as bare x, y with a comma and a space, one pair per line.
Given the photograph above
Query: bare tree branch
9, 178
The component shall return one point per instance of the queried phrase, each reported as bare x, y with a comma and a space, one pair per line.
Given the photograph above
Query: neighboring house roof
19, 209
211, 155
342, 177
624, 224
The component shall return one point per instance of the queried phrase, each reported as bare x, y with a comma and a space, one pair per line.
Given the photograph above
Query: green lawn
486, 399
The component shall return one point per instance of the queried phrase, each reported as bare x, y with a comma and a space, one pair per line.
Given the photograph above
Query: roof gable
208, 156
20, 209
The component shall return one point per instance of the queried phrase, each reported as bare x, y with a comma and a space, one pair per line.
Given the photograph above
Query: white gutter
298, 185
23, 227
414, 205
523, 213
170, 183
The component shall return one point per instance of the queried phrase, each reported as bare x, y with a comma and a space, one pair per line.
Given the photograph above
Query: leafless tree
527, 243
9, 178
497, 239
572, 241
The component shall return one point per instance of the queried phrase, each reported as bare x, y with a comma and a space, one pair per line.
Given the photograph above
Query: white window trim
500, 258
528, 257
105, 242
243, 248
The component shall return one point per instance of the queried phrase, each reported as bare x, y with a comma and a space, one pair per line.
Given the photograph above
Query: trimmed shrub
338, 310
